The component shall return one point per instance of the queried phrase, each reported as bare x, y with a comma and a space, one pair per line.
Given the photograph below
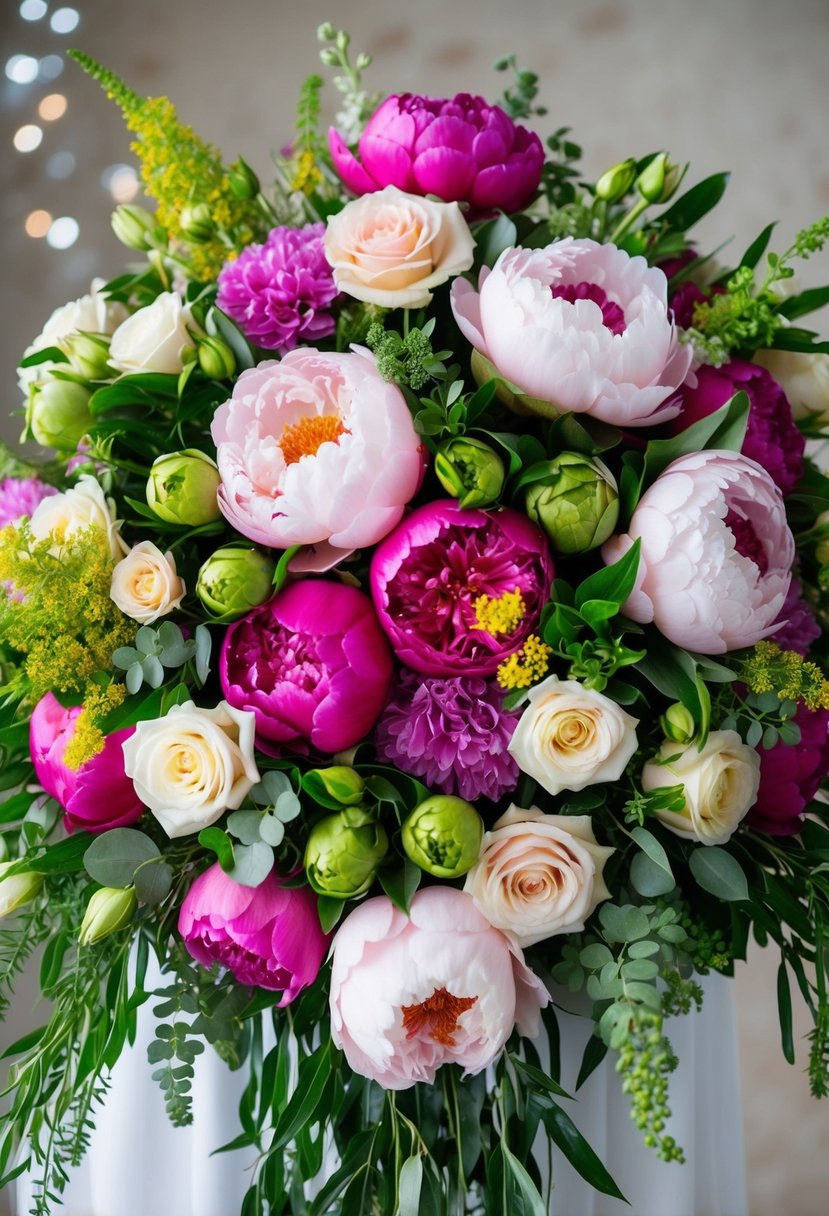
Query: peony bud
614, 184
576, 502
443, 836
243, 181
216, 359
17, 889
342, 783
233, 581
196, 223
182, 488
678, 723
108, 910
88, 355
470, 471
58, 414
343, 853
659, 180
134, 227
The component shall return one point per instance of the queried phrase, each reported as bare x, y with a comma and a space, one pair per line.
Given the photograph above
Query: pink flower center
249, 968
437, 1016
746, 541
281, 656
613, 318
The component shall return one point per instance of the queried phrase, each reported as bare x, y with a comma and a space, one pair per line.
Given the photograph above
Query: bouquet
420, 617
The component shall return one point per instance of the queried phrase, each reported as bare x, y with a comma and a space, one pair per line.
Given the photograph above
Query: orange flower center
307, 435
437, 1016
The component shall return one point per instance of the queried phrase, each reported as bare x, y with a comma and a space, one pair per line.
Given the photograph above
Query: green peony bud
678, 723
135, 227
234, 580
216, 359
576, 502
613, 185
108, 910
196, 223
17, 889
342, 783
443, 836
343, 853
58, 414
88, 355
243, 181
659, 180
182, 488
470, 471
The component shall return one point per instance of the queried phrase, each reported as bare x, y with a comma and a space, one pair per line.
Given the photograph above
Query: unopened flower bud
470, 471
343, 853
443, 836
196, 223
88, 355
216, 359
659, 180
243, 181
108, 910
135, 227
678, 723
342, 40
342, 783
614, 184
325, 32
576, 502
58, 414
182, 488
329, 57
233, 581
17, 889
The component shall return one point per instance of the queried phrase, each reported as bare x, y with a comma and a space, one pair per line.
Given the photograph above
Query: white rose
391, 248
721, 784
538, 875
145, 584
154, 338
570, 736
85, 505
192, 765
92, 313
804, 378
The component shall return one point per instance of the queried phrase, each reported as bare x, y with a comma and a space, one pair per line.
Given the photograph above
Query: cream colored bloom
17, 889
570, 736
538, 875
721, 784
154, 338
392, 248
92, 313
85, 505
804, 378
145, 584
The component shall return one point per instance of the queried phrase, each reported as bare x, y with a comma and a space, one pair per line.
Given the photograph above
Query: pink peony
716, 555
316, 448
97, 796
267, 936
409, 994
312, 664
791, 776
461, 149
427, 575
582, 326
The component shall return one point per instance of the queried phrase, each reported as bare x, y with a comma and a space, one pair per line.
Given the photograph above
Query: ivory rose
92, 313
570, 736
83, 506
192, 765
721, 784
391, 248
538, 875
804, 378
154, 338
145, 584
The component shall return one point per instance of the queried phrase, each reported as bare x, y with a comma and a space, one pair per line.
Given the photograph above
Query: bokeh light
22, 69
52, 107
64, 20
38, 223
63, 232
33, 10
60, 165
50, 67
121, 181
28, 137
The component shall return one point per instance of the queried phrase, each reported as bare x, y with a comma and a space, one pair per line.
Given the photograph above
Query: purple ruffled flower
278, 293
801, 628
452, 733
791, 776
19, 496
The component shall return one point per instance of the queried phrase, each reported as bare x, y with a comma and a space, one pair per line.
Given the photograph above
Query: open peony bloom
408, 996
316, 448
461, 149
267, 936
579, 327
716, 555
97, 796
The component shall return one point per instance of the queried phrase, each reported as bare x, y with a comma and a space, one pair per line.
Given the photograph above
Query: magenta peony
581, 326
19, 496
791, 776
716, 555
98, 795
461, 149
427, 575
407, 996
796, 627
312, 664
267, 936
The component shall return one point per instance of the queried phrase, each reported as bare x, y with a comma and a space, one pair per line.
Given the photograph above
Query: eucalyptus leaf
252, 864
408, 1186
153, 882
204, 643
649, 844
245, 825
272, 830
718, 872
650, 879
113, 857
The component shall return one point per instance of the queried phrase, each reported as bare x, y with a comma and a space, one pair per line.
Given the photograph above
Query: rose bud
614, 184
243, 182
343, 853
216, 358
134, 227
470, 471
678, 723
443, 836
88, 355
341, 783
196, 223
17, 889
659, 180
182, 488
576, 503
108, 910
233, 581
58, 414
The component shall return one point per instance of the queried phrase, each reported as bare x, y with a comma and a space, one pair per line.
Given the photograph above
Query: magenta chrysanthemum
19, 496
278, 293
451, 733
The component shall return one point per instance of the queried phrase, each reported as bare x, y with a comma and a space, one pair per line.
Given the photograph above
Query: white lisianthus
92, 313
17, 889
538, 875
570, 736
721, 784
145, 584
85, 505
154, 338
192, 765
804, 378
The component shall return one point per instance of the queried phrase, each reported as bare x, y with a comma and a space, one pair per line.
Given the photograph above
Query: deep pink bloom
461, 148
312, 664
800, 627
267, 936
279, 293
791, 776
428, 573
97, 796
19, 496
452, 733
772, 439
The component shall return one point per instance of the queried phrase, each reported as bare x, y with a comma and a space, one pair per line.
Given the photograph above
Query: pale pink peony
316, 448
716, 554
440, 987
579, 325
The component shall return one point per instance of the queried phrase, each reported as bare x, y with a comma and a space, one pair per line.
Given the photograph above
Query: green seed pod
343, 853
470, 471
576, 502
233, 581
182, 488
443, 836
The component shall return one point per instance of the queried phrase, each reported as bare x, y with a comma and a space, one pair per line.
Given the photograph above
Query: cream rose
720, 783
538, 875
154, 338
85, 505
145, 584
570, 736
192, 765
804, 378
92, 313
391, 248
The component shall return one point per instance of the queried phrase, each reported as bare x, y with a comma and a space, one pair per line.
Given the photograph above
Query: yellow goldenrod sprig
527, 666
785, 672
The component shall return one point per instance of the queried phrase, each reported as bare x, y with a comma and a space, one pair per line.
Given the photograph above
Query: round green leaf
113, 857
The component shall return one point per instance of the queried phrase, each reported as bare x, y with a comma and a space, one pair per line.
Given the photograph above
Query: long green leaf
578, 1152
784, 1010
313, 1074
695, 203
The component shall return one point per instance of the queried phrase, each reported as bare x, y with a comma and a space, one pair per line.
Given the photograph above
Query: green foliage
518, 100
163, 647
407, 360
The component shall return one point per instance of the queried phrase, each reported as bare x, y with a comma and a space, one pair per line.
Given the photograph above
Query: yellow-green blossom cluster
770, 669
527, 666
88, 738
499, 614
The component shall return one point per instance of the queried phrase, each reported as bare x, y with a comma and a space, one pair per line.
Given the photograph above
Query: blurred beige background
727, 84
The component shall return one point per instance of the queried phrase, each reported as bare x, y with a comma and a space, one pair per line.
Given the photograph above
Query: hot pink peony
267, 936
407, 996
316, 448
427, 575
791, 776
461, 149
581, 326
97, 796
716, 554
312, 664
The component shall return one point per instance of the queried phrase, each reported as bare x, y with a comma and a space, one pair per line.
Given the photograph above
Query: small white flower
154, 338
